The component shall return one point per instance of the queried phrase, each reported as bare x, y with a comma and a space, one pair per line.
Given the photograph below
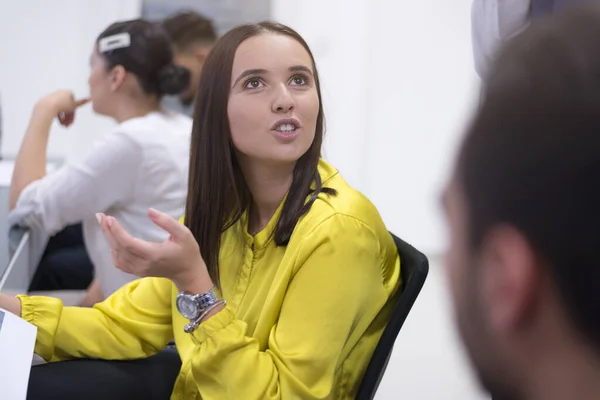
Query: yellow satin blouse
301, 321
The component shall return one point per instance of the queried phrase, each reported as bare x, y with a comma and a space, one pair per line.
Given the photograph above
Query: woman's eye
253, 84
298, 80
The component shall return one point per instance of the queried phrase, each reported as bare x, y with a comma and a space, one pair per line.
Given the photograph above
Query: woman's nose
284, 101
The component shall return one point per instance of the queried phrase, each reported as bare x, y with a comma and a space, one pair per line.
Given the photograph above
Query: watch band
206, 299
189, 328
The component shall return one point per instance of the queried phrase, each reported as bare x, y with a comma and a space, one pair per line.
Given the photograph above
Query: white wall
45, 46
399, 84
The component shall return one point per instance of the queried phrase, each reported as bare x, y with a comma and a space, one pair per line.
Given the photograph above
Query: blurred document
17, 339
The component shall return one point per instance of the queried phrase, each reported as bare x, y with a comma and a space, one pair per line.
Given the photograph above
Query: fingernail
152, 213
109, 221
99, 218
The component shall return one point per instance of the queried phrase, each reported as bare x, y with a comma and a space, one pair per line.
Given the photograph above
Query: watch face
187, 306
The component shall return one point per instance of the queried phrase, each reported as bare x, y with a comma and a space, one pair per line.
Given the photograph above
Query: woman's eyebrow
300, 68
249, 72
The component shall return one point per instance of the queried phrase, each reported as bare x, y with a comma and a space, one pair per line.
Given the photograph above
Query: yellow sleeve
134, 322
336, 293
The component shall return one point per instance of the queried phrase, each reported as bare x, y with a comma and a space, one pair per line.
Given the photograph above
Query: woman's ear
117, 77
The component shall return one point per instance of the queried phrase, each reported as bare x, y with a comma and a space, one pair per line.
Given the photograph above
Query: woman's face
273, 101
100, 83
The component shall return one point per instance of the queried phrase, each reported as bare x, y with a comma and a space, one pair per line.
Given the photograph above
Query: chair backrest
414, 267
14, 277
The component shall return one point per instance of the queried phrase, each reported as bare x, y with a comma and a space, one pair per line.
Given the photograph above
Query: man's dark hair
531, 158
189, 28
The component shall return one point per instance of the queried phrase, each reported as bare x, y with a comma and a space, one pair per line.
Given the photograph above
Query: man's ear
202, 53
511, 279
117, 77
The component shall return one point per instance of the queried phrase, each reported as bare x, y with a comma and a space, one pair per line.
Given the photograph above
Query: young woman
279, 284
141, 164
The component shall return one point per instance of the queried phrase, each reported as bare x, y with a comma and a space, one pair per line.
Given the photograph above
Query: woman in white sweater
142, 163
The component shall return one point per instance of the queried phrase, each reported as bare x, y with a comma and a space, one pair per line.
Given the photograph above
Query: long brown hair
218, 194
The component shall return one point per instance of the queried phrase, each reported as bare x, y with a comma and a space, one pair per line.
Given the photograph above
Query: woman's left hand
178, 258
63, 104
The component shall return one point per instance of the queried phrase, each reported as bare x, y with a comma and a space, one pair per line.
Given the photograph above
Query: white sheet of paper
17, 340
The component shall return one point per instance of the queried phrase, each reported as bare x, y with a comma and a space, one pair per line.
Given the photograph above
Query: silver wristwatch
191, 306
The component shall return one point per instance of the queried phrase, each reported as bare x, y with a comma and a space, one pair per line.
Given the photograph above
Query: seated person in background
281, 281
496, 21
192, 36
523, 211
141, 164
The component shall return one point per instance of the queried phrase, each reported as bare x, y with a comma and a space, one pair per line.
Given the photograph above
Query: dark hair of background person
218, 194
187, 29
531, 159
149, 57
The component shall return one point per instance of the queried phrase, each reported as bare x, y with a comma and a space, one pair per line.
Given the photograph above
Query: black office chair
414, 269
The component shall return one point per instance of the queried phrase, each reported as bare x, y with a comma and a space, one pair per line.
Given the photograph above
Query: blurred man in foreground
523, 208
